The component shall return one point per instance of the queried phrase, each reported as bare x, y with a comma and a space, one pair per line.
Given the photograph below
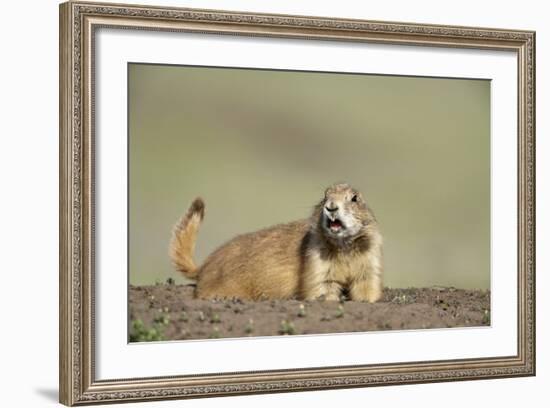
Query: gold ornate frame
78, 22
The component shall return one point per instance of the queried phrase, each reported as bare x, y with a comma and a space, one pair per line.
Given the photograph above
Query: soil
169, 312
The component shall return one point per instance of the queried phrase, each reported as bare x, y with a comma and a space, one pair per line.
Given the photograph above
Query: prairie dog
338, 248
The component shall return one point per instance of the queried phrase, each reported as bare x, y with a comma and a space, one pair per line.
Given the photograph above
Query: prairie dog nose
331, 207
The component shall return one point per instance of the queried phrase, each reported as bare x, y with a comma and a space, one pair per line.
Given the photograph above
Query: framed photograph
255, 203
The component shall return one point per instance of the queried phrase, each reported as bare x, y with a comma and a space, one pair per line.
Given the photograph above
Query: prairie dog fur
338, 248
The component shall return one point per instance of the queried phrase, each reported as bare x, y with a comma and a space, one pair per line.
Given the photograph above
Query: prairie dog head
343, 213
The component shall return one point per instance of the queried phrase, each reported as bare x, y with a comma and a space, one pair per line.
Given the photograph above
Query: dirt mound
169, 312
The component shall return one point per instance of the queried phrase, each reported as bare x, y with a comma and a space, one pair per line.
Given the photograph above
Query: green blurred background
260, 147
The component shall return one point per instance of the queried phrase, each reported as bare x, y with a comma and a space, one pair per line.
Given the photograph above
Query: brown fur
302, 259
184, 236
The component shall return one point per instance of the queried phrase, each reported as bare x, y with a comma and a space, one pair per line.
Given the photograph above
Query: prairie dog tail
184, 236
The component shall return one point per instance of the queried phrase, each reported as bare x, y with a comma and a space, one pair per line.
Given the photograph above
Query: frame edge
66, 372
73, 387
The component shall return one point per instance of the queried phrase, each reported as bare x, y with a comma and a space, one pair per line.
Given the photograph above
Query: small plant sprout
287, 328
170, 281
249, 328
215, 333
486, 320
339, 312
201, 316
215, 318
162, 319
184, 317
138, 332
302, 310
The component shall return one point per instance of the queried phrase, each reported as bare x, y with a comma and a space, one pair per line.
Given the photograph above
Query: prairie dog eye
354, 198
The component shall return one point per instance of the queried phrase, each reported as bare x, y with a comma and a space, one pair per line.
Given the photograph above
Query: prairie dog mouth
335, 225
